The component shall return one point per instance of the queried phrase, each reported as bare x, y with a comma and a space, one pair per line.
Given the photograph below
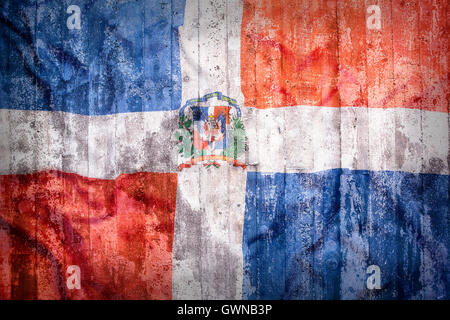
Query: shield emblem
210, 132
211, 125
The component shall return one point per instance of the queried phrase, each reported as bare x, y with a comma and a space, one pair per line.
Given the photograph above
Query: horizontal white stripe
92, 146
292, 139
311, 139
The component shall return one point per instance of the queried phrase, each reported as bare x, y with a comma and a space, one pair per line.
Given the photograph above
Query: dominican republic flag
224, 149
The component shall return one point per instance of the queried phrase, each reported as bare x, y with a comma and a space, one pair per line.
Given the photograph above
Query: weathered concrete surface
319, 91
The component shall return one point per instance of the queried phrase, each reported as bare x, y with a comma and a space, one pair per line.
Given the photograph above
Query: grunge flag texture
224, 149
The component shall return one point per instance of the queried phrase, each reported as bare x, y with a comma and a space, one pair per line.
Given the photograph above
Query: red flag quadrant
345, 53
118, 232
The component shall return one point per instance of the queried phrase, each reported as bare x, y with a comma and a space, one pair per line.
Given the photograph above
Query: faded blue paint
313, 235
125, 58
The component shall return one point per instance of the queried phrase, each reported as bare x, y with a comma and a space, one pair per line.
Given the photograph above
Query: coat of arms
210, 131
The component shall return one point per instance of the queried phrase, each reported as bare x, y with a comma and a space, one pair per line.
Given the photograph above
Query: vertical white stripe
209, 219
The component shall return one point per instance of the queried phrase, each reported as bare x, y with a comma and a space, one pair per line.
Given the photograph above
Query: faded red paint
320, 53
120, 233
